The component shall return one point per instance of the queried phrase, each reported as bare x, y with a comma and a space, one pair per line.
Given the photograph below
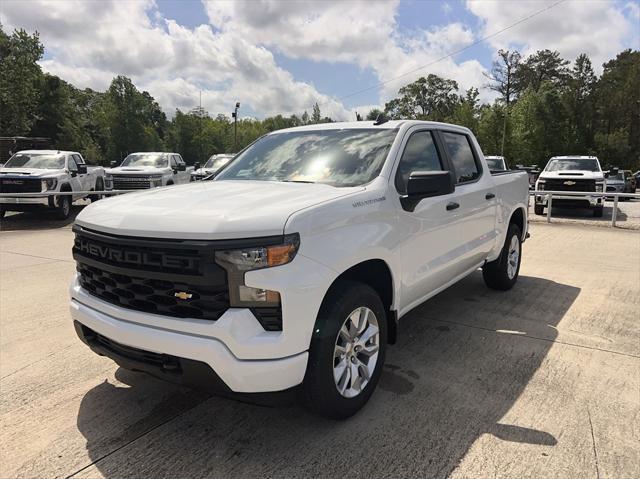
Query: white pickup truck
289, 270
48, 171
576, 174
141, 171
213, 165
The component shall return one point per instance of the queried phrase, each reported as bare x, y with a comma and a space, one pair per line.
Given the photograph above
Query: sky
282, 56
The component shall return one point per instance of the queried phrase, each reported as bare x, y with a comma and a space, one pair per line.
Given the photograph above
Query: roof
573, 157
154, 153
48, 152
354, 125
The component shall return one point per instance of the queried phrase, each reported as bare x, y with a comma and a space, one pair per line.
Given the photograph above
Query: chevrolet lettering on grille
138, 258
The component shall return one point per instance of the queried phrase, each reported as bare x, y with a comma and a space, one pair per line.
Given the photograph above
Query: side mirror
114, 164
82, 169
426, 184
606, 174
196, 166
182, 167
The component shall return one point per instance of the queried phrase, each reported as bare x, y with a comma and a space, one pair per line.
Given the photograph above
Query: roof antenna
380, 119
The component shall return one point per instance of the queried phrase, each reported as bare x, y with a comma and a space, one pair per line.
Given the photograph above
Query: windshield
35, 160
585, 164
496, 164
156, 160
617, 177
348, 157
216, 162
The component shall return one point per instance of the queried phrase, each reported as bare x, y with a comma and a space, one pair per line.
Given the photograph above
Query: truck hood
135, 171
29, 172
203, 171
572, 174
208, 209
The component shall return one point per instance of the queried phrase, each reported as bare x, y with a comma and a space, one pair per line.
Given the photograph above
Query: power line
444, 57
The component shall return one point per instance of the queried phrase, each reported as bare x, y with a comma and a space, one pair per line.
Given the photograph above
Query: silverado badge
182, 295
569, 183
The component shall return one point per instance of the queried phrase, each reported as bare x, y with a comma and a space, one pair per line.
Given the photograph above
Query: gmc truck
141, 171
289, 271
48, 171
572, 173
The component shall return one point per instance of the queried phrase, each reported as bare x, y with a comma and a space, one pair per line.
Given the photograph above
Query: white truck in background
289, 270
141, 171
48, 171
213, 165
572, 173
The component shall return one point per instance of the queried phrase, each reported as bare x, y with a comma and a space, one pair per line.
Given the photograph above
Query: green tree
467, 111
431, 98
316, 117
20, 79
503, 75
543, 66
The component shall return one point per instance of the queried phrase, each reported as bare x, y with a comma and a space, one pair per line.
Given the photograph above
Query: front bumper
578, 201
42, 201
203, 359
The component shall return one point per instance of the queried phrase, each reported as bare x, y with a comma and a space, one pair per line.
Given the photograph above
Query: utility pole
235, 127
201, 150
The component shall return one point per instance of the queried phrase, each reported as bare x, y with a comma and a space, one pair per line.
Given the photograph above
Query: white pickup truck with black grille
289, 270
141, 171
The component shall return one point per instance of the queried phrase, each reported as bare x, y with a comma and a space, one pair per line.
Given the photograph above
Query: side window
179, 159
79, 160
420, 154
461, 155
174, 163
72, 164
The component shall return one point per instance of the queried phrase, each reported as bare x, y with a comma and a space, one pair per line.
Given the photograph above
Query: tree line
545, 107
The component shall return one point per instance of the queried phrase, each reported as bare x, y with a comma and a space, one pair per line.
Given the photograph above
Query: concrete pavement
540, 381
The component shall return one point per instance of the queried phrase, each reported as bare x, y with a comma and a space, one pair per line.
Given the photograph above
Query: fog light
258, 295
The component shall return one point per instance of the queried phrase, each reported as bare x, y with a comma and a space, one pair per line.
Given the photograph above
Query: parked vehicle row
54, 171
141, 171
211, 167
290, 268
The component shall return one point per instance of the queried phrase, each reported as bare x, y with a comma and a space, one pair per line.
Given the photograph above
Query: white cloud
597, 28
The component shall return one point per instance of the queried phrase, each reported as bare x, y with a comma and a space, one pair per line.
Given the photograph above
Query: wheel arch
375, 273
518, 218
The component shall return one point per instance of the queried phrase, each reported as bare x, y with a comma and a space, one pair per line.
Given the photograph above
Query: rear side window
420, 154
461, 155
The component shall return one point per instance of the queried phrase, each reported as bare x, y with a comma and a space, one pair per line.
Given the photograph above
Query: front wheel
347, 351
99, 187
63, 209
502, 273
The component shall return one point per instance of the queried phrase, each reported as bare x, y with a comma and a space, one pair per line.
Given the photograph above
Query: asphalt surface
540, 381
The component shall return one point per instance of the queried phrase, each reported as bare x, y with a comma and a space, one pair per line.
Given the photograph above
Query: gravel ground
628, 215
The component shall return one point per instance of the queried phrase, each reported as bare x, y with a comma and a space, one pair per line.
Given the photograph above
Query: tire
538, 209
336, 340
99, 187
2, 212
502, 273
597, 212
63, 209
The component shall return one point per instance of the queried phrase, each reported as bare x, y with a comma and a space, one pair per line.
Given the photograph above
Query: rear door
476, 199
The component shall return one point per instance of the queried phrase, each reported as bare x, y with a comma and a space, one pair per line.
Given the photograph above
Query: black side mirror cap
82, 169
427, 184
182, 167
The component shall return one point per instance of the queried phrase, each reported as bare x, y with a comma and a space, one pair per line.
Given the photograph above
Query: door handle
489, 196
452, 206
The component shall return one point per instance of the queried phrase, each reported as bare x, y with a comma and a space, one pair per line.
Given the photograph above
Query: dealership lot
539, 381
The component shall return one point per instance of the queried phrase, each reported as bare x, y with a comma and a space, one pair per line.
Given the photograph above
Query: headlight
49, 184
238, 261
540, 185
599, 187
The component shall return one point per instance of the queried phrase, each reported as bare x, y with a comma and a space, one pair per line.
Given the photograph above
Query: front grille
570, 185
145, 275
121, 182
20, 185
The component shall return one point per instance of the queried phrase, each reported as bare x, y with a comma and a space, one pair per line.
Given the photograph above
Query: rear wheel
63, 208
347, 351
502, 273
538, 209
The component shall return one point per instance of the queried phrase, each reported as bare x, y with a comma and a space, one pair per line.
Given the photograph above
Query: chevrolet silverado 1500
141, 171
48, 171
290, 269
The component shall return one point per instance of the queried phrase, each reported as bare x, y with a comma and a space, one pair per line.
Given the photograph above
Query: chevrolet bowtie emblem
183, 295
569, 183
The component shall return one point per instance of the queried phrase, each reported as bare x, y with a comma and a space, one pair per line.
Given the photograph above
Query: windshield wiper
297, 181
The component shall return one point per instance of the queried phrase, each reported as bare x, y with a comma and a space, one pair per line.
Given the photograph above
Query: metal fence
586, 194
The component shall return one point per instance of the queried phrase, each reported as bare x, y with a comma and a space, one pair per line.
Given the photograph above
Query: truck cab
575, 174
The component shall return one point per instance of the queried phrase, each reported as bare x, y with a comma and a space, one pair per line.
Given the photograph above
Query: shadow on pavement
454, 374
583, 213
37, 220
